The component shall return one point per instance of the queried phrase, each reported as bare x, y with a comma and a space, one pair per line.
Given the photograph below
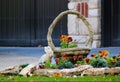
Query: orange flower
105, 53
57, 75
93, 55
87, 60
69, 39
100, 52
63, 38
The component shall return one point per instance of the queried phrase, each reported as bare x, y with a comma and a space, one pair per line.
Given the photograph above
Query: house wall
91, 10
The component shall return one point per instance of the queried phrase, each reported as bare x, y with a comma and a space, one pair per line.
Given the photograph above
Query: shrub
65, 64
98, 63
117, 64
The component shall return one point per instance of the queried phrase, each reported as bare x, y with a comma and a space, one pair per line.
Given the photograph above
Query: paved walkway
26, 51
10, 56
11, 60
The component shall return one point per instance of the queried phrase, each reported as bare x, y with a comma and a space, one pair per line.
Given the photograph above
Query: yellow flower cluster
57, 74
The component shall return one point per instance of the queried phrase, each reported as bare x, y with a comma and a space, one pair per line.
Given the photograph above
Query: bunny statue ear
48, 49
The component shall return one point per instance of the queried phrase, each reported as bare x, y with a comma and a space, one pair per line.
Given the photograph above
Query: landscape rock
101, 71
93, 72
82, 70
112, 71
75, 71
12, 70
64, 72
28, 71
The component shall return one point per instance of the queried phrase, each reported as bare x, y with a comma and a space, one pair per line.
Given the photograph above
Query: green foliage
68, 64
68, 45
61, 66
110, 61
47, 64
65, 64
72, 45
63, 44
83, 62
98, 63
62, 61
97, 60
117, 64
53, 66
98, 56
24, 65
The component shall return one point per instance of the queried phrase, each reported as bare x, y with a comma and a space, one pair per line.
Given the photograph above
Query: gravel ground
11, 60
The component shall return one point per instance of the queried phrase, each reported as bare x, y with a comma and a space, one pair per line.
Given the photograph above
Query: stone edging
73, 72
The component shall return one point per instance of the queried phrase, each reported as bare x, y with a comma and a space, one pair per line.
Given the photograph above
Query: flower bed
101, 59
98, 64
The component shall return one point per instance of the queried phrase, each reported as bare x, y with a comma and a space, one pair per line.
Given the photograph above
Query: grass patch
63, 79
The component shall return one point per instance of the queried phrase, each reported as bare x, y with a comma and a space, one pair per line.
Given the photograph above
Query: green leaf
99, 63
81, 62
47, 64
71, 45
68, 64
53, 66
63, 44
24, 65
61, 66
117, 64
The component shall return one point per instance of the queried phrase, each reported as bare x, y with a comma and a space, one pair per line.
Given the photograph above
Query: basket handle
51, 27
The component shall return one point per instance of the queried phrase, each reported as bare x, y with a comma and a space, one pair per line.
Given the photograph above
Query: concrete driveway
11, 60
10, 56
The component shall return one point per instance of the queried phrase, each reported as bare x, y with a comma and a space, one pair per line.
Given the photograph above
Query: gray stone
65, 72
94, 13
12, 70
94, 3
